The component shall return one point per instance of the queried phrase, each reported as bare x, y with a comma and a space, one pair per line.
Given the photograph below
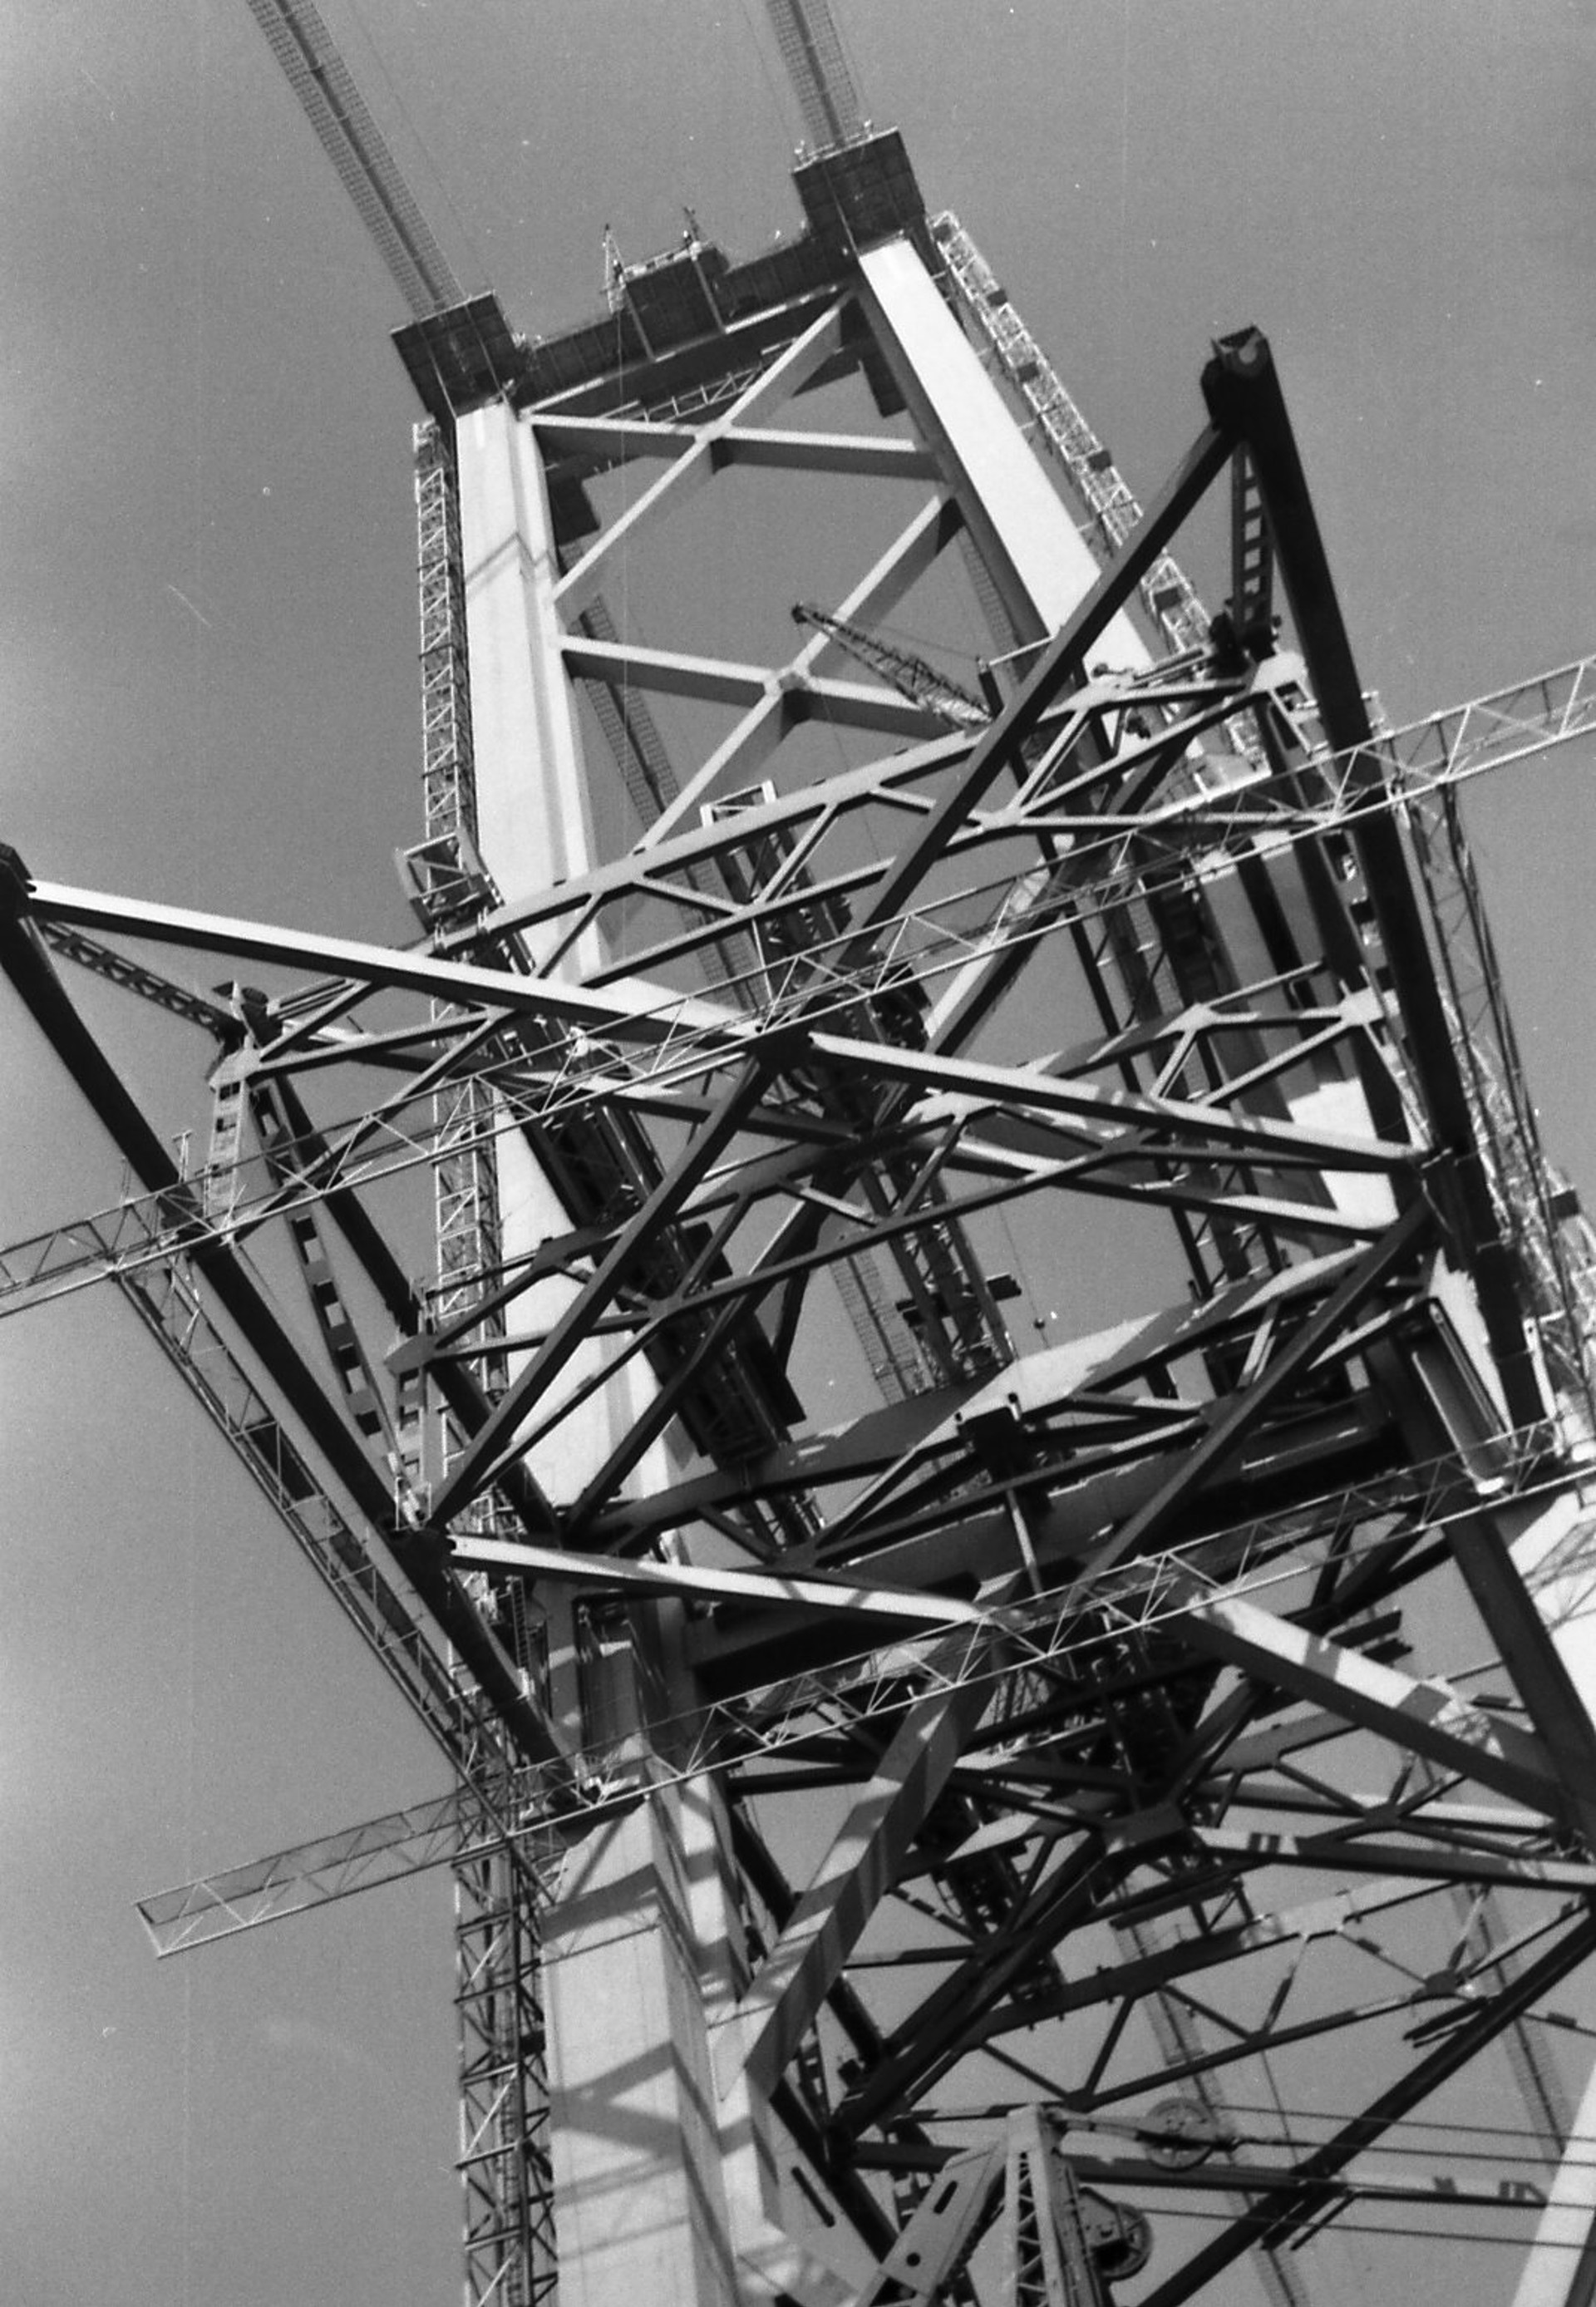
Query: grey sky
210, 696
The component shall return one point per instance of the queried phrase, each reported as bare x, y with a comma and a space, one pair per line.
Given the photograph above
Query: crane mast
814, 1741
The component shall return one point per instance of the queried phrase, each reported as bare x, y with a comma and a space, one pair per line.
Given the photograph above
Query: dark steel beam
26, 963
466, 1399
1062, 662
1242, 389
1239, 1415
1315, 2172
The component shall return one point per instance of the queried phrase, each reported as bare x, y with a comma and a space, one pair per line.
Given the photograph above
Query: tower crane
912, 676
828, 1756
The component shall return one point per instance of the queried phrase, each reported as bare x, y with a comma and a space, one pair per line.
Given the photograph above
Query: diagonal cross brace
1242, 1412
968, 1086
478, 1463
1425, 1717
249, 1310
1062, 662
781, 2002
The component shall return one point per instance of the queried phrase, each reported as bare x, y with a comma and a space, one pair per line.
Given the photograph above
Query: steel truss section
1111, 1608
508, 2238
358, 149
505, 2163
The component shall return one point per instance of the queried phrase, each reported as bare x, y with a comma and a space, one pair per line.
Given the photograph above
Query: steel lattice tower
903, 1826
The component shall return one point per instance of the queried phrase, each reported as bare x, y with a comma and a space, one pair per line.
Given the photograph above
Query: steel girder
1093, 1648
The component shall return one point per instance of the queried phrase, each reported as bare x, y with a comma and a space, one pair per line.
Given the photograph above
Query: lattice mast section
354, 144
1167, 594
505, 2166
466, 1189
505, 2161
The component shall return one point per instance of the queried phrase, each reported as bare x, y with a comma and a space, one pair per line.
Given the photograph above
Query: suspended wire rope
1435, 2229
996, 2109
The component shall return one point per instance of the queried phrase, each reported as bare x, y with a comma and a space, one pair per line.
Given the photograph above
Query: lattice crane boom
319, 77
812, 49
911, 675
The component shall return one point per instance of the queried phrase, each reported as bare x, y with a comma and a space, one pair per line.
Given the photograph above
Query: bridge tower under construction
986, 1489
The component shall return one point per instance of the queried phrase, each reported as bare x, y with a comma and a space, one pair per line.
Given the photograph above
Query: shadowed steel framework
986, 1494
